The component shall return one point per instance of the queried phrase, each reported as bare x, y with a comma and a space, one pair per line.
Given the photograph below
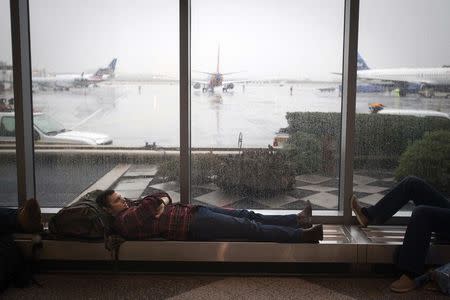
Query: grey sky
270, 38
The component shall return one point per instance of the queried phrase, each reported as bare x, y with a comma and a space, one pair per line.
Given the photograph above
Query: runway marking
87, 118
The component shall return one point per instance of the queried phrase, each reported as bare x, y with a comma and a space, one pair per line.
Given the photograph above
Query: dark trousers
431, 214
212, 223
8, 220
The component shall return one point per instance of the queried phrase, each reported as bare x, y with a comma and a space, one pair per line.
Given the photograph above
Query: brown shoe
357, 209
304, 218
29, 216
312, 235
403, 284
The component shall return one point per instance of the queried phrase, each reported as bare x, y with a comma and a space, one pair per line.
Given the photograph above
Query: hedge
380, 139
428, 158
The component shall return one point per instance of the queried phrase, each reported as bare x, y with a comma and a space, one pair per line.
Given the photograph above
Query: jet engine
196, 85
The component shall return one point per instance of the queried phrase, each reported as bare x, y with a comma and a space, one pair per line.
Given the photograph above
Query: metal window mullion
349, 76
23, 102
185, 100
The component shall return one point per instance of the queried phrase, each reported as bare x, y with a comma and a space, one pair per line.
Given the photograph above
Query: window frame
20, 32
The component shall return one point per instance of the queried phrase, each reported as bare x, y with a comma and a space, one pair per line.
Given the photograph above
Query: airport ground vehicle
280, 139
49, 131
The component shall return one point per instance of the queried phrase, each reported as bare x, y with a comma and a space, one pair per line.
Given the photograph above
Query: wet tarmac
134, 117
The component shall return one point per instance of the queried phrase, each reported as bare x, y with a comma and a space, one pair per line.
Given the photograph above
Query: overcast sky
269, 38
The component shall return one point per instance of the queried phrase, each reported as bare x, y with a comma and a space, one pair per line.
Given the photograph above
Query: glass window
8, 126
402, 107
8, 171
266, 106
105, 96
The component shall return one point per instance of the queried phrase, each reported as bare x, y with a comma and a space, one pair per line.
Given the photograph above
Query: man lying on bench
156, 216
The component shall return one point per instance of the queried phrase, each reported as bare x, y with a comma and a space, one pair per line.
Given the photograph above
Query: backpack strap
36, 247
112, 244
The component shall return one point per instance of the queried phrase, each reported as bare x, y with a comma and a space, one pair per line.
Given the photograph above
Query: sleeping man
156, 216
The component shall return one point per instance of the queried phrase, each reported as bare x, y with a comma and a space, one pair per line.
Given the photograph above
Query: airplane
426, 81
215, 80
67, 81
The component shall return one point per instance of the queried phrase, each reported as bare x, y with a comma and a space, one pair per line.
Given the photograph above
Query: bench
341, 244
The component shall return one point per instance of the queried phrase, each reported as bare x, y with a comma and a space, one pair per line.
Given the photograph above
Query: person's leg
26, 219
282, 220
8, 220
410, 257
207, 225
424, 220
410, 188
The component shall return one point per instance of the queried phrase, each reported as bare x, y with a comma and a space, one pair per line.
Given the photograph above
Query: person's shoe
29, 217
357, 209
431, 286
304, 218
403, 284
312, 235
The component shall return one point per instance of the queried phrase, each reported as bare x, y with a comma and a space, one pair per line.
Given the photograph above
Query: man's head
112, 202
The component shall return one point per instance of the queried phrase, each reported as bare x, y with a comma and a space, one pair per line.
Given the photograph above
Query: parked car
49, 131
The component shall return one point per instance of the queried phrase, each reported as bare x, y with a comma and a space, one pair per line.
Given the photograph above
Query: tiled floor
142, 286
322, 191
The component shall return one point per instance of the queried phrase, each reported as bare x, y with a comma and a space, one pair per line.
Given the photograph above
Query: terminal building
231, 185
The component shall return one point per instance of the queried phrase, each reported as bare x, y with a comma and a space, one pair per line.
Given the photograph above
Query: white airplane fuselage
215, 80
429, 76
66, 81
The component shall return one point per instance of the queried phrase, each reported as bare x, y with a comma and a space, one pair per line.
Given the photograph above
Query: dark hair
102, 198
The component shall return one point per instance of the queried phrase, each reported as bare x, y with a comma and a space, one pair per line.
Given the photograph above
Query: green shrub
169, 169
203, 168
304, 151
255, 172
428, 158
379, 139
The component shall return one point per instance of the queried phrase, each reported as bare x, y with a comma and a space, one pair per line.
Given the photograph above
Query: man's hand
160, 210
165, 200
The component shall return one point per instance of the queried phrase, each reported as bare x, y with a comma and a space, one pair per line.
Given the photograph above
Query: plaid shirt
139, 222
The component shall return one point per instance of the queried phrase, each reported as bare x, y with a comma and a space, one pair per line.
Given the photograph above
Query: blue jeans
8, 220
214, 223
431, 214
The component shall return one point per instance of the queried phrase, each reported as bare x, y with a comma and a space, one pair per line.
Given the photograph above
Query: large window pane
402, 121
8, 172
105, 93
265, 103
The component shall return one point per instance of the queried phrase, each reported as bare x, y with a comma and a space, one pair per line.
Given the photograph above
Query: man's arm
149, 207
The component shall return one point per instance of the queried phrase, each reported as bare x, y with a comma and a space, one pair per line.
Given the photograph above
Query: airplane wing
208, 73
378, 81
234, 81
200, 81
229, 73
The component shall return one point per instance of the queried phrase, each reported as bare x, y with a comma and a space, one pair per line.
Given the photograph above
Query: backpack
14, 269
83, 219
441, 276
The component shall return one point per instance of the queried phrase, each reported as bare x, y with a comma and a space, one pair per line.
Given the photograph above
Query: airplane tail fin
109, 70
361, 64
218, 57
112, 65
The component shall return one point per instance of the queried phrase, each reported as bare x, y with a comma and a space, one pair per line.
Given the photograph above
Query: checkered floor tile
322, 191
312, 179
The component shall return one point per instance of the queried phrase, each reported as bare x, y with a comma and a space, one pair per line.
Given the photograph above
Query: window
275, 71
7, 126
8, 170
265, 103
106, 96
402, 120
